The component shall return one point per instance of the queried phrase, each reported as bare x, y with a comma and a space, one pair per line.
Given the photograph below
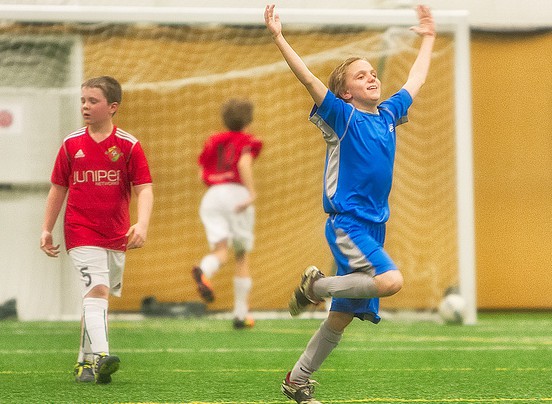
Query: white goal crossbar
454, 22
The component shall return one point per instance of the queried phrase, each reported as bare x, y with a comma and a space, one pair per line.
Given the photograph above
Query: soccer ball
451, 309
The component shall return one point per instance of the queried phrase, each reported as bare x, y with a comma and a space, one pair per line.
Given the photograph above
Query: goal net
176, 70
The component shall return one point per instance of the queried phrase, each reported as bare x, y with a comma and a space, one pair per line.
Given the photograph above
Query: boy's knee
99, 292
338, 321
222, 255
389, 283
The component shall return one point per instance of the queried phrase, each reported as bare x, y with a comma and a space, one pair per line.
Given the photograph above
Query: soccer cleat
303, 295
105, 366
203, 285
301, 393
84, 372
240, 324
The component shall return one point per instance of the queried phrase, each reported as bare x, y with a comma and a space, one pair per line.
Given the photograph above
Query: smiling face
95, 108
362, 88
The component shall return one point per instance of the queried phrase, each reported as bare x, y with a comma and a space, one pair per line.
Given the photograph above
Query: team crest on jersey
114, 153
391, 127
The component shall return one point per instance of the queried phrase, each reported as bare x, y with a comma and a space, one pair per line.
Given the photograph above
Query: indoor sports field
505, 358
470, 206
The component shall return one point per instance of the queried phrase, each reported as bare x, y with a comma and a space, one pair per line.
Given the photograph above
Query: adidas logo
79, 154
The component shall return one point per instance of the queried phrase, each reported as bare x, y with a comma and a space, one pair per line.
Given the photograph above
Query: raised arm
314, 86
420, 68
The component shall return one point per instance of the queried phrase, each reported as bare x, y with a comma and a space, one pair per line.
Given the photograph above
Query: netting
175, 79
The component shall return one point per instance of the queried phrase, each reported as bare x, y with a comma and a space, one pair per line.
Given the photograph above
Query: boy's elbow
317, 90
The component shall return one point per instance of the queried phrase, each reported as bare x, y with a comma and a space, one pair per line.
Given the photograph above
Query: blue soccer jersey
360, 155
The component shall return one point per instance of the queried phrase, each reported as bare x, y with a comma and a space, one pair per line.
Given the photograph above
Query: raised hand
426, 26
272, 20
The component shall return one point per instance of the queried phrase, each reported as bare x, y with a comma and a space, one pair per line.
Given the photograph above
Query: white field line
279, 350
427, 369
326, 369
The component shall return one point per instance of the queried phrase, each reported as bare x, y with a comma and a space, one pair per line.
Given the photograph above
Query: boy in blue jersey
360, 134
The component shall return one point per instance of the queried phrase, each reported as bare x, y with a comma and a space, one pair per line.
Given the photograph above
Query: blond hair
336, 82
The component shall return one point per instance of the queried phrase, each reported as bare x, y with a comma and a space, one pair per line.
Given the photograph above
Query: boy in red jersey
96, 168
227, 210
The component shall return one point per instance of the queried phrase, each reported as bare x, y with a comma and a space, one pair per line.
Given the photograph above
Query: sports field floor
505, 358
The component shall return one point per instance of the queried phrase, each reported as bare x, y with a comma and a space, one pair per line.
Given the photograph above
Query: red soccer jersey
99, 177
221, 153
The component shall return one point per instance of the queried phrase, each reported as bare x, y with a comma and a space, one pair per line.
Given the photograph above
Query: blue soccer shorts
358, 246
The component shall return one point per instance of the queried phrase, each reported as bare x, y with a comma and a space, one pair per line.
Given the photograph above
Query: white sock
85, 351
95, 324
209, 265
242, 287
80, 357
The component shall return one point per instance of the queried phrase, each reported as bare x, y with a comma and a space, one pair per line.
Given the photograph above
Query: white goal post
452, 22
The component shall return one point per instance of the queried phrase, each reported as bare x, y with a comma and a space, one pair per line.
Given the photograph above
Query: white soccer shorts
218, 214
99, 266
